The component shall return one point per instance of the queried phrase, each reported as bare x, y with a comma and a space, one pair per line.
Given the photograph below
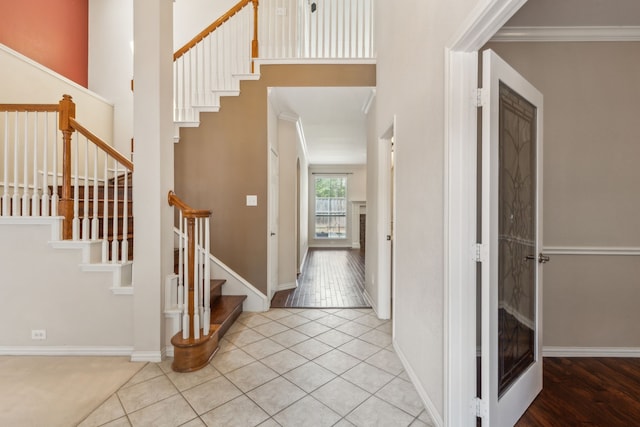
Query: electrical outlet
38, 334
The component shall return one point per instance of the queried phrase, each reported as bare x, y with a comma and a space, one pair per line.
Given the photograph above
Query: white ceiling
332, 117
333, 121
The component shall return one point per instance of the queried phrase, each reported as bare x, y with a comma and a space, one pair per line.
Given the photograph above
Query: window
331, 207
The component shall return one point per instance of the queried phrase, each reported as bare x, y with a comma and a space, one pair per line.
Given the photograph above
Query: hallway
331, 278
284, 367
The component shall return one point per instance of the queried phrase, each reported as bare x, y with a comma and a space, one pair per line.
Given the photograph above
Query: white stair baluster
105, 211
5, 182
35, 197
15, 199
185, 314
115, 254
181, 264
45, 168
207, 279
125, 218
76, 191
25, 170
85, 197
95, 223
196, 283
54, 194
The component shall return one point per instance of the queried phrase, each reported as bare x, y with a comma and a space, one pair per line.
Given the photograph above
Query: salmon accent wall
52, 33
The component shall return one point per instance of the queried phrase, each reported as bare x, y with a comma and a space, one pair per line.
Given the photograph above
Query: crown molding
567, 34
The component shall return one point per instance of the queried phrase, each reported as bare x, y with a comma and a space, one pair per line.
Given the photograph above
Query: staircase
114, 230
206, 314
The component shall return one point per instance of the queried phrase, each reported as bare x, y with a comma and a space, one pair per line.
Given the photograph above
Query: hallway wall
224, 159
591, 177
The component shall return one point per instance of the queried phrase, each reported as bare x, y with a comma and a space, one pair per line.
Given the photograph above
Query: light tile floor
285, 367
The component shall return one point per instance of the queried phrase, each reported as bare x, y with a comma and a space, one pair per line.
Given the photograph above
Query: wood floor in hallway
587, 392
331, 278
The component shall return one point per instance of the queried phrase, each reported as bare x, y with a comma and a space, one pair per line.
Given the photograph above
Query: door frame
461, 124
385, 209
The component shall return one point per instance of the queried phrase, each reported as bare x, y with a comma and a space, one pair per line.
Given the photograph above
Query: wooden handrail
101, 144
187, 211
217, 23
49, 108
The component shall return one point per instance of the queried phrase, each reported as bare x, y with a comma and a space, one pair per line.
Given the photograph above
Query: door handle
542, 258
273, 234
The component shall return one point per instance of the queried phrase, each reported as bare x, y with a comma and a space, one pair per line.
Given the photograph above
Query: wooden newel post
191, 257
67, 110
254, 42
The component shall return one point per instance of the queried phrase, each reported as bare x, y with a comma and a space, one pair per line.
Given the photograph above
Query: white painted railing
214, 62
30, 149
71, 173
320, 29
194, 269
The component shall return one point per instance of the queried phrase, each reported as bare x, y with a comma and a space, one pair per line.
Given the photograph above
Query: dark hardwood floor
331, 278
587, 392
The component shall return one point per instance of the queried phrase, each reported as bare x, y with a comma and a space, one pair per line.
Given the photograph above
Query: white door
511, 364
274, 186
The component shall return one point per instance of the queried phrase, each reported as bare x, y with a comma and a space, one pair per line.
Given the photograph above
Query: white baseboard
552, 351
286, 286
168, 351
371, 302
146, 356
428, 403
65, 351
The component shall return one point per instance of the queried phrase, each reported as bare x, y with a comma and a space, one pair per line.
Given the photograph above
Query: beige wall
411, 37
225, 159
591, 151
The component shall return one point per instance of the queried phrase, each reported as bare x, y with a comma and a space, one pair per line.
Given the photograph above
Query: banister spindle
85, 196
25, 168
35, 197
45, 168
5, 190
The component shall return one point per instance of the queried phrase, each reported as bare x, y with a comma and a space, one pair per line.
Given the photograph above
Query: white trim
54, 221
91, 249
461, 83
424, 396
372, 303
303, 139
567, 34
591, 250
552, 351
286, 286
289, 117
168, 351
369, 102
53, 74
146, 356
122, 274
65, 351
301, 61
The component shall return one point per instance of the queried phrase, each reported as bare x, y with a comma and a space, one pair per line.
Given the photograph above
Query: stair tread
216, 283
225, 307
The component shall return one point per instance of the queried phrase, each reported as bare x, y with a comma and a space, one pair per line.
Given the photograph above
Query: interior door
274, 218
511, 365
